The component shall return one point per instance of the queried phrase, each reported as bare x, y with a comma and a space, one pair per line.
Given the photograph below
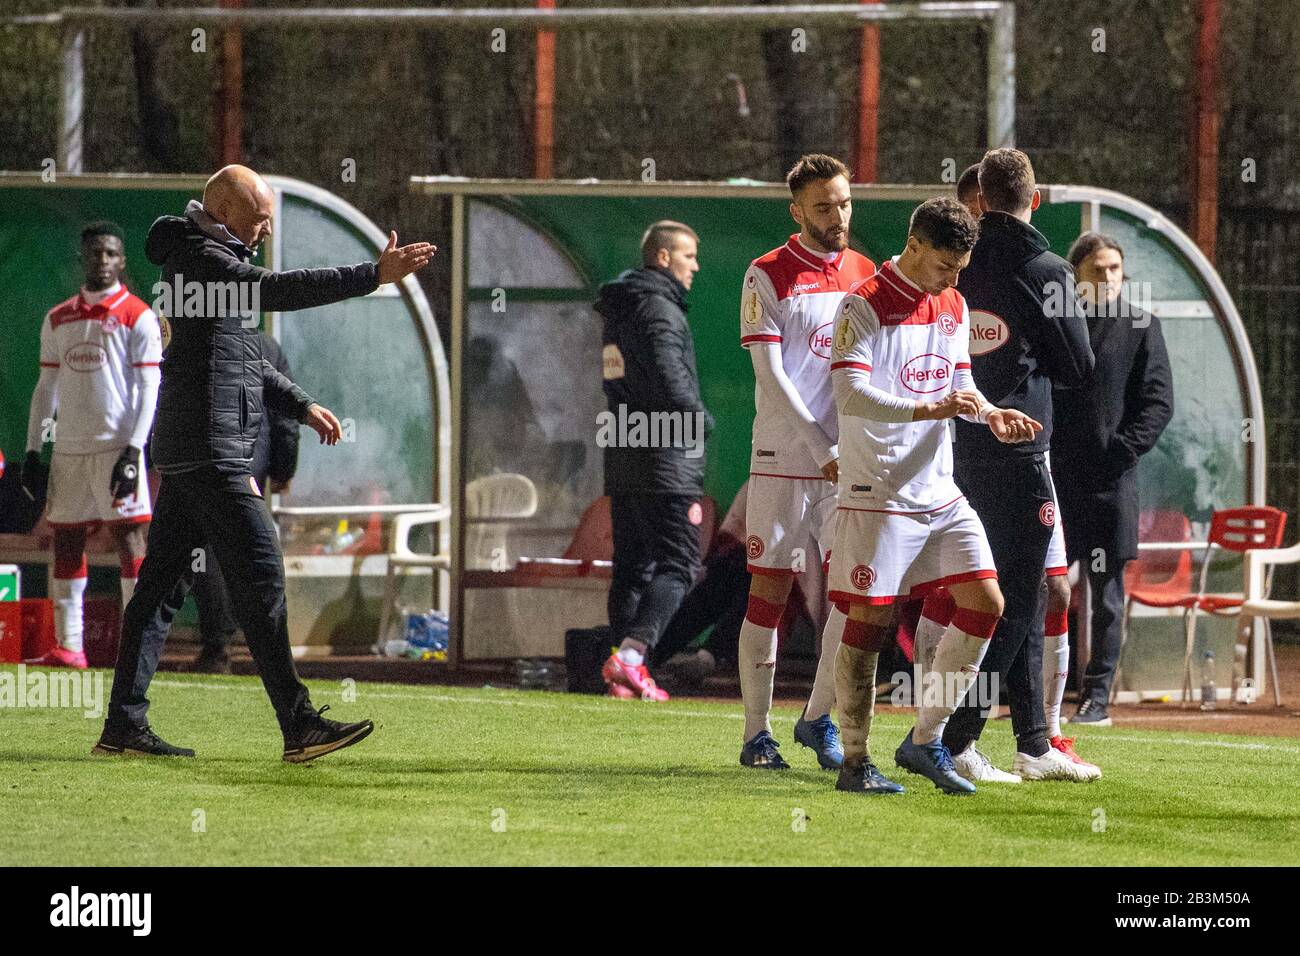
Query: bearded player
901, 369
100, 355
787, 311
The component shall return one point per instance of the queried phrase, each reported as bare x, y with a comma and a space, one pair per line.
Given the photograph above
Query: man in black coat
210, 409
653, 436
1102, 429
275, 459
1025, 336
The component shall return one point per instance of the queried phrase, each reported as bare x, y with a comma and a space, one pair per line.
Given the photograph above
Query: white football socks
757, 666
822, 698
855, 698
68, 599
1056, 668
956, 665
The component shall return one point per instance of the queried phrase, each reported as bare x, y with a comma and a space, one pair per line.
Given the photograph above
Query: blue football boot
934, 762
822, 737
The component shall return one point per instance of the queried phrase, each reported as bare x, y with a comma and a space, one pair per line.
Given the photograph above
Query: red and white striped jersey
790, 296
96, 341
912, 345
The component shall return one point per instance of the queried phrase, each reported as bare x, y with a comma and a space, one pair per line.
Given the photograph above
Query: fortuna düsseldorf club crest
754, 546
947, 324
863, 577
1047, 513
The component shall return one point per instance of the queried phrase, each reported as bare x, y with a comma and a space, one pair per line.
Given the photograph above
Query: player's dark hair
969, 183
663, 235
102, 227
813, 168
1007, 180
1088, 244
945, 224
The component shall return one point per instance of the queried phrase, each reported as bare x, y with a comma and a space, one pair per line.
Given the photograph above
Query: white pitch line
675, 712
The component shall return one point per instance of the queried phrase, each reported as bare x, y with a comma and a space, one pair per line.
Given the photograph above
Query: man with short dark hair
789, 300
99, 368
968, 189
901, 369
1025, 336
654, 473
1104, 427
216, 382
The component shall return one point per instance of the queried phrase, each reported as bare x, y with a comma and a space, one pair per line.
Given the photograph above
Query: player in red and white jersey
901, 369
100, 356
787, 311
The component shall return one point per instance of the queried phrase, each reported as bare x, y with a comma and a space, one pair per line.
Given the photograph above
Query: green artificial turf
488, 776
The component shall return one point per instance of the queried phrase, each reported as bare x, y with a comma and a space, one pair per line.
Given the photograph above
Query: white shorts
80, 491
880, 557
1055, 563
783, 515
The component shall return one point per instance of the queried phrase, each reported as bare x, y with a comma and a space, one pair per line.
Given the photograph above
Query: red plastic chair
1231, 529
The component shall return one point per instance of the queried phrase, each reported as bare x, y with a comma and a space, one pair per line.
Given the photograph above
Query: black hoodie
210, 403
649, 366
1014, 275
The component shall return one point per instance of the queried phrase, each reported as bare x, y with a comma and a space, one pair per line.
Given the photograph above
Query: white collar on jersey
903, 275
94, 298
824, 256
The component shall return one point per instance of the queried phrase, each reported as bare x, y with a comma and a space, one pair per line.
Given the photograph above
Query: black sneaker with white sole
313, 735
135, 742
1092, 712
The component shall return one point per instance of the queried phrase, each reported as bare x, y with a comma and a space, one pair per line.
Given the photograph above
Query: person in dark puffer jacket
215, 382
654, 484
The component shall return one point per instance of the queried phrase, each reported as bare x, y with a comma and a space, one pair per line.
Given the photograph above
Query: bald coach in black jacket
1103, 428
1026, 335
215, 384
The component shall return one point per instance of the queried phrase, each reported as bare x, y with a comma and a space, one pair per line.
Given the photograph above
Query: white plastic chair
1257, 605
402, 557
491, 503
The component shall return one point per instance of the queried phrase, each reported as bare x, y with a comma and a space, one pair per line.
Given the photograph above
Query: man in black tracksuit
654, 486
1026, 334
215, 381
1103, 428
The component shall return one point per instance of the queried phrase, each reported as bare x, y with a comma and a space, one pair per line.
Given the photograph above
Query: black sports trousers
656, 556
223, 512
1013, 498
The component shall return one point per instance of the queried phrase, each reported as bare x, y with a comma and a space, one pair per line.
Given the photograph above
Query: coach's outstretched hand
323, 422
397, 263
1011, 426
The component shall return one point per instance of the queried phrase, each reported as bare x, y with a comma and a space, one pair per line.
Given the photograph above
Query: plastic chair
491, 504
1239, 530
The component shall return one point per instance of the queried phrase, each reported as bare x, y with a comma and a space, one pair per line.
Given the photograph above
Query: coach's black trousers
656, 555
196, 512
1013, 498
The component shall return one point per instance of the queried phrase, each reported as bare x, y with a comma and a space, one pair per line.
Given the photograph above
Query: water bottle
1209, 693
1238, 671
533, 673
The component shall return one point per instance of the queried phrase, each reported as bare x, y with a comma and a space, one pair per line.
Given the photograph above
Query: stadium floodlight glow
74, 21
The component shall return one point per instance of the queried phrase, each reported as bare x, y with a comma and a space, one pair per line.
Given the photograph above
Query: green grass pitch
488, 776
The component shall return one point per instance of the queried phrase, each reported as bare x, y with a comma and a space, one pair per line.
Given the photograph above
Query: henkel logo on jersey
85, 358
821, 339
988, 332
926, 374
